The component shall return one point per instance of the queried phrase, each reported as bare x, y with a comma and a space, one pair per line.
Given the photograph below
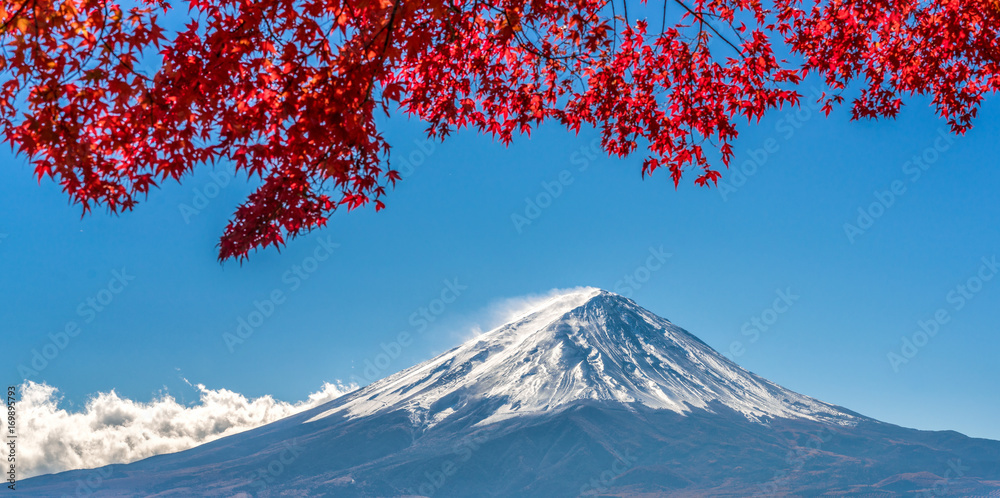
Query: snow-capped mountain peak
577, 387
585, 344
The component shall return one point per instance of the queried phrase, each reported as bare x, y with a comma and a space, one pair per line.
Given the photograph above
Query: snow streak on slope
587, 344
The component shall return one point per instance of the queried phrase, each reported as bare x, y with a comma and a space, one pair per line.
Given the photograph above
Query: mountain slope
585, 394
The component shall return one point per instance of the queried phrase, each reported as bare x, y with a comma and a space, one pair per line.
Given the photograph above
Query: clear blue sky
452, 219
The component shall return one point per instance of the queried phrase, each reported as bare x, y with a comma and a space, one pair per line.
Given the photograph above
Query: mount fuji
585, 394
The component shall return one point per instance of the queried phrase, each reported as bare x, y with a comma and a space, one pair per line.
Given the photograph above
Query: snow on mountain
587, 344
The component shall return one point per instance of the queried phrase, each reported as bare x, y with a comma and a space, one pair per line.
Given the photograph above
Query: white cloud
111, 429
508, 310
503, 311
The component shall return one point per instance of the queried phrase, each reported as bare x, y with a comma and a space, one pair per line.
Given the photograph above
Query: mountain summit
587, 344
587, 394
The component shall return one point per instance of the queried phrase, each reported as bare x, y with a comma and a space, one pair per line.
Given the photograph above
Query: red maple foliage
288, 90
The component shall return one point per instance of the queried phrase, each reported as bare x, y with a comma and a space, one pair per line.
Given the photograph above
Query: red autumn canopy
288, 90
